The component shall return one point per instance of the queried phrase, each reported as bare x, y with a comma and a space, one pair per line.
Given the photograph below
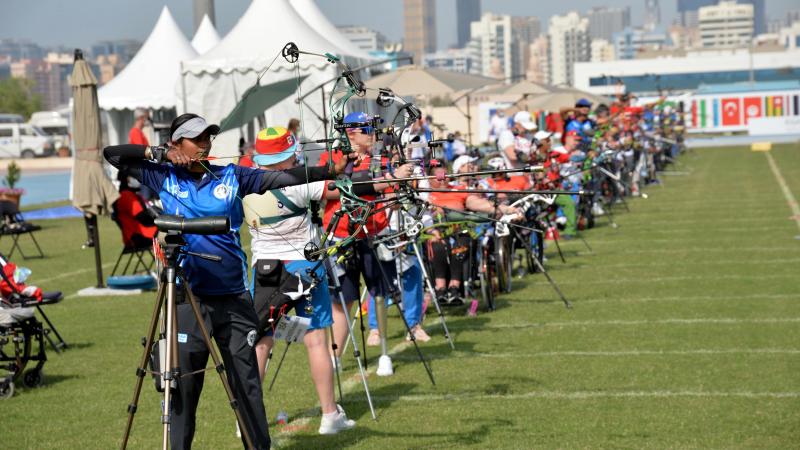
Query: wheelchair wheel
504, 263
6, 390
486, 276
33, 378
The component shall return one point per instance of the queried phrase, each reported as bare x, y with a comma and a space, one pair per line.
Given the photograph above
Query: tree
17, 97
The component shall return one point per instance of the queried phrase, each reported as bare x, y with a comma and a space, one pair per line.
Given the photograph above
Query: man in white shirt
515, 142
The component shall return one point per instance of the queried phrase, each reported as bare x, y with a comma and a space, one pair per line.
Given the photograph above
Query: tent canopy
554, 101
252, 44
256, 100
308, 10
149, 79
521, 87
413, 80
206, 36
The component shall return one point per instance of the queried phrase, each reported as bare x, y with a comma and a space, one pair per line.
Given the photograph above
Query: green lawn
685, 333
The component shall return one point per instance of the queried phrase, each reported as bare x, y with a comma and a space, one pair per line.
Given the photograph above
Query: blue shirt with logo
217, 193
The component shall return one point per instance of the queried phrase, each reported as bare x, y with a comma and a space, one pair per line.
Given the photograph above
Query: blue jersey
217, 193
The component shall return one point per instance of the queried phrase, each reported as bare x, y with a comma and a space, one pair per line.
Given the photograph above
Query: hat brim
275, 158
529, 125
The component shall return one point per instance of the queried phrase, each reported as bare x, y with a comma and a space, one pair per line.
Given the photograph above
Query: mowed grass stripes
685, 333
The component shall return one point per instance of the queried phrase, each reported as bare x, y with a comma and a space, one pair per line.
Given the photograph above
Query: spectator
136, 135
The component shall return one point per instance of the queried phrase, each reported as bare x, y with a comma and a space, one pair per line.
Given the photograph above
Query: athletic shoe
454, 295
374, 338
335, 422
597, 210
419, 334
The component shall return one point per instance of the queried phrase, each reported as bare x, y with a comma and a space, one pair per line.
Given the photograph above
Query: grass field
685, 333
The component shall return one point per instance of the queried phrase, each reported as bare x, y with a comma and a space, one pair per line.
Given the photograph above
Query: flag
796, 102
777, 106
716, 112
769, 111
752, 108
731, 111
702, 113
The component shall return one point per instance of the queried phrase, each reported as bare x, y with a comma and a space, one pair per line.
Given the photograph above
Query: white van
54, 125
20, 140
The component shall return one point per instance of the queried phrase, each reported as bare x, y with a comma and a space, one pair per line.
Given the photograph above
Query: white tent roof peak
260, 34
206, 36
149, 79
310, 12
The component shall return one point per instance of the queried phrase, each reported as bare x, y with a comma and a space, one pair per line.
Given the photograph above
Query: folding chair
135, 253
47, 298
15, 226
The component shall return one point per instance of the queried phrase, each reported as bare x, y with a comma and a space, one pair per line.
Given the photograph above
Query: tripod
173, 247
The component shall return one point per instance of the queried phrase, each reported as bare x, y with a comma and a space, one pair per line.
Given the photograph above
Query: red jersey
135, 136
375, 223
513, 183
246, 161
128, 207
451, 200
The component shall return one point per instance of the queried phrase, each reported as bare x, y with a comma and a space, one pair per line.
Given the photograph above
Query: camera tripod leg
219, 367
280, 364
170, 371
432, 292
361, 367
141, 370
397, 296
335, 363
555, 240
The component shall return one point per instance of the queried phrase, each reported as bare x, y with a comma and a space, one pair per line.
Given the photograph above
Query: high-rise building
125, 49
631, 41
789, 37
684, 37
493, 43
203, 8
524, 30
602, 50
467, 11
605, 21
792, 16
364, 38
652, 14
460, 60
687, 12
14, 50
419, 28
727, 24
569, 43
538, 69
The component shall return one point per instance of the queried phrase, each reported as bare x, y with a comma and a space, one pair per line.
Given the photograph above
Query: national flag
777, 106
752, 108
731, 112
694, 113
768, 106
796, 102
716, 113
702, 113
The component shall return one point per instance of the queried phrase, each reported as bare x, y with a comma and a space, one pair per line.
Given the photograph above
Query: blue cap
359, 116
583, 102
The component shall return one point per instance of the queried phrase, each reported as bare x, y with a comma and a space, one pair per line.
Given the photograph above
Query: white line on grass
646, 279
732, 249
719, 262
591, 323
586, 395
634, 353
786, 192
691, 299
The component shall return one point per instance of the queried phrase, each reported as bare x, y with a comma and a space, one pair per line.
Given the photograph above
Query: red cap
574, 133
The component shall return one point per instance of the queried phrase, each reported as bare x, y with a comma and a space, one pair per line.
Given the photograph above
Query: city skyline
66, 25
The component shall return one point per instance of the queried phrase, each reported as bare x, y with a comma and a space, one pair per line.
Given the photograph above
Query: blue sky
83, 22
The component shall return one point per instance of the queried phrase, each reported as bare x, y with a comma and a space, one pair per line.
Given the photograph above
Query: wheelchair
22, 342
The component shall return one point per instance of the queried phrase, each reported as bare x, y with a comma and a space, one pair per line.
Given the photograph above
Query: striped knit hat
274, 145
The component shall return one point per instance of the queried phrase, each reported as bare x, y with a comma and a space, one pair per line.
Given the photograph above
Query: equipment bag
272, 282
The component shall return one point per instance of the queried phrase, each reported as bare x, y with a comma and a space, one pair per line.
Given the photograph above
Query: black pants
364, 264
448, 261
231, 320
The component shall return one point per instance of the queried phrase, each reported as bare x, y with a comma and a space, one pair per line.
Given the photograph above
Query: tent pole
469, 121
183, 88
324, 113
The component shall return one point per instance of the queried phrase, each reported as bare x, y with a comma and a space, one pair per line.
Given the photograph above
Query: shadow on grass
384, 397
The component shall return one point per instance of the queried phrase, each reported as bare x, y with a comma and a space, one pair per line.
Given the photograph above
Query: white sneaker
335, 422
597, 210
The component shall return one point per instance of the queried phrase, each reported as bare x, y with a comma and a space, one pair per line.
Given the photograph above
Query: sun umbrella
93, 191
413, 80
258, 99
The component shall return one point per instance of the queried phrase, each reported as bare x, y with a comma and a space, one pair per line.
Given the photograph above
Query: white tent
206, 36
214, 82
310, 12
148, 81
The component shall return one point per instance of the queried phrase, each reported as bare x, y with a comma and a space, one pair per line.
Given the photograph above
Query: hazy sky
79, 23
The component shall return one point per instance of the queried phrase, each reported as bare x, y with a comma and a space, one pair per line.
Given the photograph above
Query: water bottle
21, 274
282, 418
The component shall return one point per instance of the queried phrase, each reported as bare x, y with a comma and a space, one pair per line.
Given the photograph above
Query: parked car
20, 140
11, 118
